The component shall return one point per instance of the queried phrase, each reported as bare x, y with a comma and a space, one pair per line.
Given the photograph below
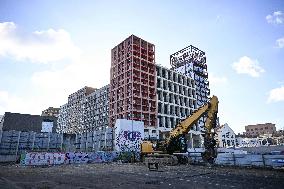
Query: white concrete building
86, 111
176, 97
96, 109
176, 100
226, 137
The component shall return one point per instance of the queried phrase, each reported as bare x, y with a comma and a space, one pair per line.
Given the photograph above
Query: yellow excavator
166, 152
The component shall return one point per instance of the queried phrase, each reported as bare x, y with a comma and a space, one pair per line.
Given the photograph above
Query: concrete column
163, 121
61, 141
33, 144
93, 140
86, 142
105, 143
48, 141
191, 140
99, 139
18, 141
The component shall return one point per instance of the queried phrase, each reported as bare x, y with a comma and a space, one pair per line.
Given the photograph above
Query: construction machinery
167, 151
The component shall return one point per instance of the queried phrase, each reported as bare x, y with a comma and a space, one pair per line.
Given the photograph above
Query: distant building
257, 141
259, 129
225, 136
76, 109
97, 109
86, 111
51, 112
27, 122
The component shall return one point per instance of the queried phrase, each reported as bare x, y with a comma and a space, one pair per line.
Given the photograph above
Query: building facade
226, 137
133, 82
191, 62
176, 97
140, 90
76, 109
86, 111
51, 112
63, 120
259, 129
96, 109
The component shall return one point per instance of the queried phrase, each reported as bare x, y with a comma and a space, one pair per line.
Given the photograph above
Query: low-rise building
51, 112
27, 122
225, 136
260, 129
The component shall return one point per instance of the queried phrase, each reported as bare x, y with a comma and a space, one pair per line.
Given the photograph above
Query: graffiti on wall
46, 158
128, 135
42, 158
76, 157
129, 140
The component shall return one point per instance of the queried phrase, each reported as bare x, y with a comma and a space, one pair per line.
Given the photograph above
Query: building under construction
141, 90
133, 82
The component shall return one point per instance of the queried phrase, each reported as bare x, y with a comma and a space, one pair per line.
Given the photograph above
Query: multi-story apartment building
96, 109
76, 109
133, 83
85, 111
63, 120
51, 112
260, 129
143, 91
191, 63
176, 97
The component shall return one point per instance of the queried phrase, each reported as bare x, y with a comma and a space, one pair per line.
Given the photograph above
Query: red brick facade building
259, 129
133, 82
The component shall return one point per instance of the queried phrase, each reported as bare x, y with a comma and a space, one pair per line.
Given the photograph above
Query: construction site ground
118, 175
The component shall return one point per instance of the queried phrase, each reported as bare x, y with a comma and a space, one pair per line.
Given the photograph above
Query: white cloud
280, 43
56, 85
276, 95
39, 46
276, 18
50, 87
248, 66
12, 103
217, 80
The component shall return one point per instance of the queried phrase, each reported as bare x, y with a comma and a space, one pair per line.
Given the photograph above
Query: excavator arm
211, 108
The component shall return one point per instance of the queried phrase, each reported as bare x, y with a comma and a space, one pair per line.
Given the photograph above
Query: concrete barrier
250, 160
8, 158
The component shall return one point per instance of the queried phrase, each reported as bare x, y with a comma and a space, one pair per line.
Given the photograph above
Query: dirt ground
115, 175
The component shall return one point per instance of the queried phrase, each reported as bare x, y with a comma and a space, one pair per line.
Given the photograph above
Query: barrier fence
17, 142
244, 159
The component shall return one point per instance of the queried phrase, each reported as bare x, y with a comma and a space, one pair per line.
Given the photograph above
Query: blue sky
49, 49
